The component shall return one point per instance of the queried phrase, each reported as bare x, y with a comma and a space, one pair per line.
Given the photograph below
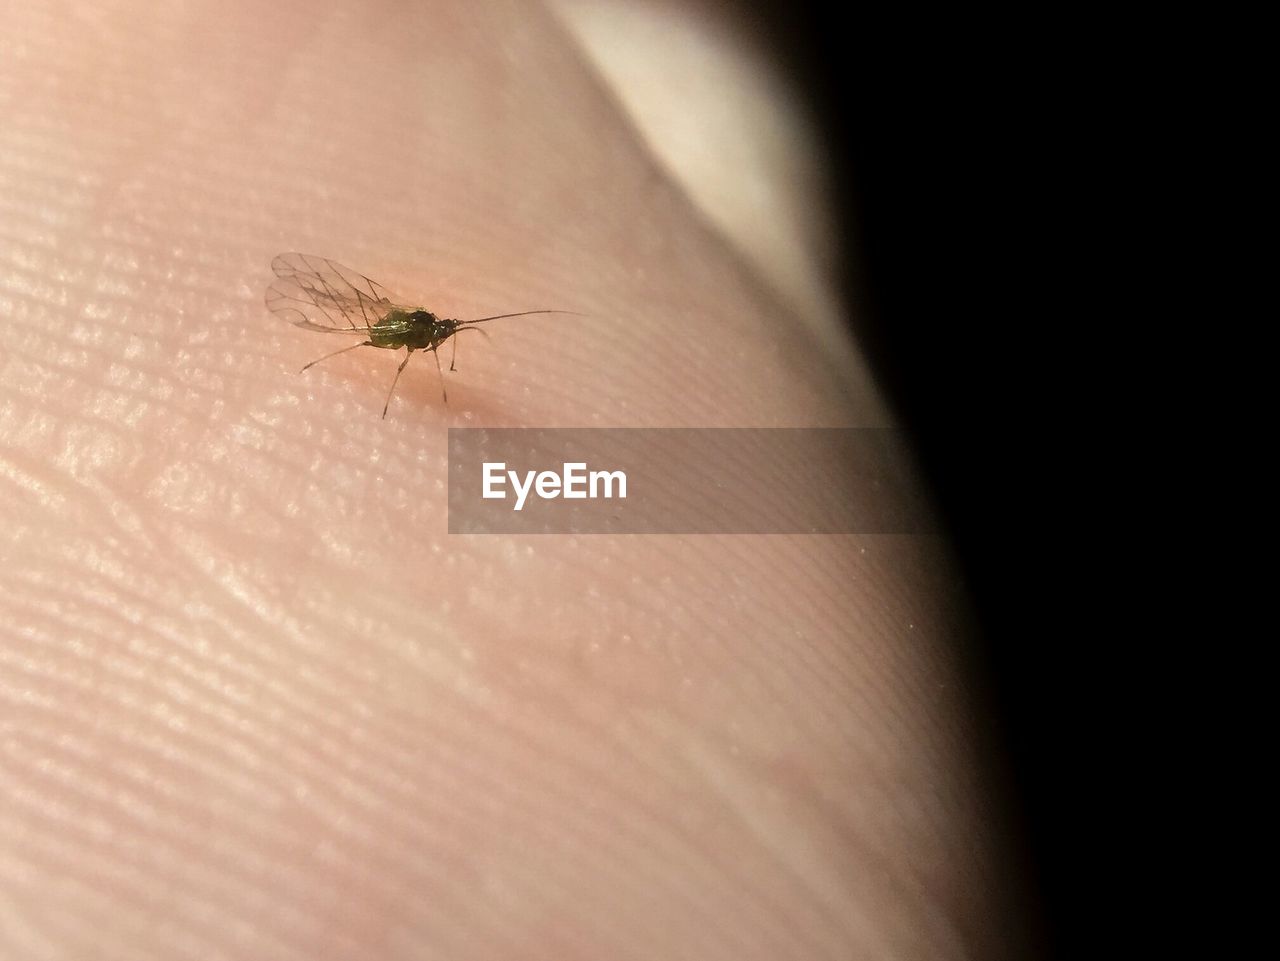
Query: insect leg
454, 356
441, 373
395, 380
363, 343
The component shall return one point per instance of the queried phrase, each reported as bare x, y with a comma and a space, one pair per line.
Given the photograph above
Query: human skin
255, 701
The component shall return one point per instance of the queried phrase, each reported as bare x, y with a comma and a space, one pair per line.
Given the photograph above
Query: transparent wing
318, 294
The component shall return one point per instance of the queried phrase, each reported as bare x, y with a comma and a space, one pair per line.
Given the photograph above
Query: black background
948, 135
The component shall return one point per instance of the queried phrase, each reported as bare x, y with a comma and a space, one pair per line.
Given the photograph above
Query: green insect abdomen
417, 330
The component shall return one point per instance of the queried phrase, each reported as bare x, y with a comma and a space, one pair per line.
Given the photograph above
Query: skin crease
255, 702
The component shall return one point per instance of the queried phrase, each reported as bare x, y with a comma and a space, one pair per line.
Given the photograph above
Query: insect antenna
523, 313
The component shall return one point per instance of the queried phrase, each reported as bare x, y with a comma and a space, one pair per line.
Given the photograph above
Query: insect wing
318, 294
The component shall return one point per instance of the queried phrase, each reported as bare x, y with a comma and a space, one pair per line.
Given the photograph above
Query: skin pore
256, 702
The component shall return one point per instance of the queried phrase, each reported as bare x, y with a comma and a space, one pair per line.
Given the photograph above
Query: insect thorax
416, 329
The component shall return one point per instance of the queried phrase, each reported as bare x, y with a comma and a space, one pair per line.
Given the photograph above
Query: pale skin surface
255, 702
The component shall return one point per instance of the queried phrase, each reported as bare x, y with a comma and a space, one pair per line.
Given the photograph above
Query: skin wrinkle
255, 702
